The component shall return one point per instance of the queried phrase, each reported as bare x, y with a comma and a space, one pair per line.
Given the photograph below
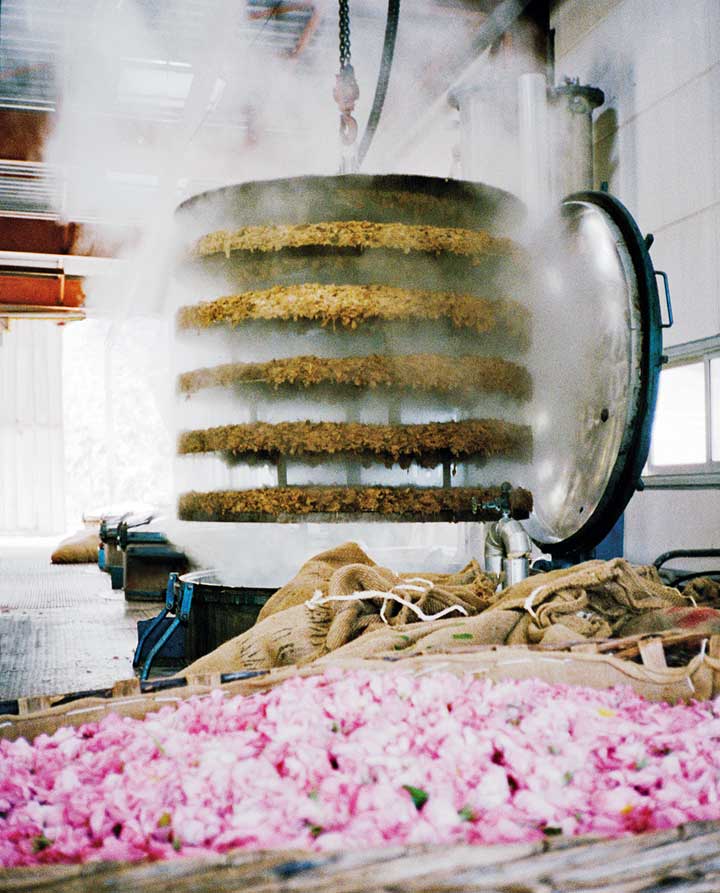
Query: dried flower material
344, 761
463, 375
353, 305
355, 234
272, 502
427, 444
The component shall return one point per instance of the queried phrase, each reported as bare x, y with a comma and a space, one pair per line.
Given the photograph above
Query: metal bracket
151, 627
668, 301
175, 603
170, 591
186, 601
157, 620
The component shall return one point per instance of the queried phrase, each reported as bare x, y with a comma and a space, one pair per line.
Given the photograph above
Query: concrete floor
62, 627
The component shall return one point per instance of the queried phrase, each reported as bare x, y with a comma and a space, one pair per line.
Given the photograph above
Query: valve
501, 505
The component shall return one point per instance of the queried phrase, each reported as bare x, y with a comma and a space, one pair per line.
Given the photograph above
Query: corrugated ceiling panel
38, 38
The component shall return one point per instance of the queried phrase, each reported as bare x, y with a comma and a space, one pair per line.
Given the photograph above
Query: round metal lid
595, 363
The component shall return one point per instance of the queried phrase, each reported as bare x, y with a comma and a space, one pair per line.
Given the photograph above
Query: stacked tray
350, 347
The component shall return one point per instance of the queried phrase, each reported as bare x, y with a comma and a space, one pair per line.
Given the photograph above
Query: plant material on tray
426, 502
464, 375
355, 234
427, 444
353, 305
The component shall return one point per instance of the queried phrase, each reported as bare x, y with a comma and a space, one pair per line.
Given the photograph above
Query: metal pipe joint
507, 550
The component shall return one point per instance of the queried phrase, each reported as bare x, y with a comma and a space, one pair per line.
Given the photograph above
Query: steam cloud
121, 169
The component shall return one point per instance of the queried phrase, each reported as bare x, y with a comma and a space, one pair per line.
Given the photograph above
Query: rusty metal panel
40, 290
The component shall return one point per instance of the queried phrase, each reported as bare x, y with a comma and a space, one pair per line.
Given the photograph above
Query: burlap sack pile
301, 625
593, 600
353, 608
80, 548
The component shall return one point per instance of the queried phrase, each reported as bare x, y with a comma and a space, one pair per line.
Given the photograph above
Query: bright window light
166, 86
715, 407
679, 433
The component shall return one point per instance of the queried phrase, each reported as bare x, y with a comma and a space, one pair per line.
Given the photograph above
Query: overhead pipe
534, 138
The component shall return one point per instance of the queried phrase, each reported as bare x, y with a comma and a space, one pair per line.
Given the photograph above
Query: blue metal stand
177, 603
156, 621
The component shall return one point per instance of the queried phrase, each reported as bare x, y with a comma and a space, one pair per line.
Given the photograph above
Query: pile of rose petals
359, 759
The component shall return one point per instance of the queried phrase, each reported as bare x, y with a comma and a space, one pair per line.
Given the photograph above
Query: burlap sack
80, 548
355, 600
313, 575
430, 637
593, 600
294, 636
423, 596
702, 620
703, 591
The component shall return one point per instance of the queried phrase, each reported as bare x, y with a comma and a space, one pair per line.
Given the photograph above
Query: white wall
32, 496
118, 445
657, 143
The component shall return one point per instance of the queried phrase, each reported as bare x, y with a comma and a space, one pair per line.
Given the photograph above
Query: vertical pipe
534, 149
579, 170
571, 111
109, 411
488, 132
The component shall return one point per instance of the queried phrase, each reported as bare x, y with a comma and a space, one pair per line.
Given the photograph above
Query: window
685, 444
715, 409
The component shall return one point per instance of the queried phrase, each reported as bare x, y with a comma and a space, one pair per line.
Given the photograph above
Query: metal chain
346, 89
344, 29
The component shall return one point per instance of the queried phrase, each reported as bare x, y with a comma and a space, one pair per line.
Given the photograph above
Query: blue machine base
173, 649
613, 546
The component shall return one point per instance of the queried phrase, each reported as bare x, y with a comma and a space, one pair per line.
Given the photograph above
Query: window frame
706, 474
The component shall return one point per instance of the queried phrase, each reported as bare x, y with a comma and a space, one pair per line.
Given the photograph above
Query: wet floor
62, 627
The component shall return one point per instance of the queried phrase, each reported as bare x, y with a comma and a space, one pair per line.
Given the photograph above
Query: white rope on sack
528, 603
319, 599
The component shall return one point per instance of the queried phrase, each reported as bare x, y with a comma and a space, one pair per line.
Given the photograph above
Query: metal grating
34, 40
34, 35
30, 40
37, 190
29, 189
62, 628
